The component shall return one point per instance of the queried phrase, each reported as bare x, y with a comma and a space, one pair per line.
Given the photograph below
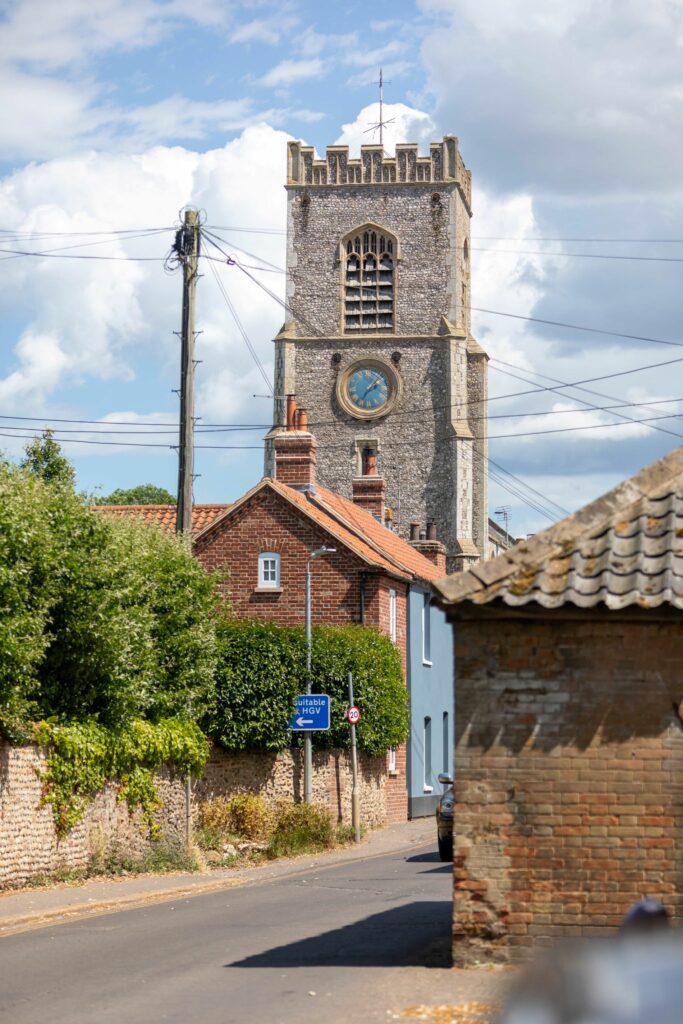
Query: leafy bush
250, 816
379, 690
213, 822
262, 667
258, 676
300, 828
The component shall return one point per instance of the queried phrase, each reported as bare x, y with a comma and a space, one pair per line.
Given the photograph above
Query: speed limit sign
353, 715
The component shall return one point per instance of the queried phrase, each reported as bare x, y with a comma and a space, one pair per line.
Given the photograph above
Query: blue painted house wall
430, 681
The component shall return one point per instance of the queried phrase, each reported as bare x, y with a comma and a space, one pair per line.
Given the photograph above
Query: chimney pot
415, 530
431, 530
291, 412
302, 419
423, 535
369, 460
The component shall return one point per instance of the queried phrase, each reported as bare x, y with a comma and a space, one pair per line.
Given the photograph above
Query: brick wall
569, 778
28, 840
269, 523
280, 777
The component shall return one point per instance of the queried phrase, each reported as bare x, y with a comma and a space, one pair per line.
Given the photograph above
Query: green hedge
262, 667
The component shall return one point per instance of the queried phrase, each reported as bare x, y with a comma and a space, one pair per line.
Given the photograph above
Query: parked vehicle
444, 819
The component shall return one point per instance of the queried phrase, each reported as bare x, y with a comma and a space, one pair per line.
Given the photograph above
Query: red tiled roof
392, 547
344, 533
165, 515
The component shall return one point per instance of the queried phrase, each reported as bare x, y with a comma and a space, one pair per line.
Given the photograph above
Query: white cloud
84, 321
407, 125
257, 31
52, 35
579, 97
363, 57
289, 71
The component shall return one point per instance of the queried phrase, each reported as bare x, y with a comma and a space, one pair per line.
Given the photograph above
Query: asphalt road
345, 943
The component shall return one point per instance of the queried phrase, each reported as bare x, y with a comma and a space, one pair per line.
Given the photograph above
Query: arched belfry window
368, 263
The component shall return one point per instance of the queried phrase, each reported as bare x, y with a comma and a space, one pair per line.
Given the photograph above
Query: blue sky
119, 112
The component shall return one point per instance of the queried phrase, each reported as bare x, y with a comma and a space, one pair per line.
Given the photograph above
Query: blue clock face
367, 389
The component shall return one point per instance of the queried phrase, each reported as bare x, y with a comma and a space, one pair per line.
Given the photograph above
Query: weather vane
381, 124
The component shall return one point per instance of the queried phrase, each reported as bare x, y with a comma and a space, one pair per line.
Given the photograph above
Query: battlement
443, 165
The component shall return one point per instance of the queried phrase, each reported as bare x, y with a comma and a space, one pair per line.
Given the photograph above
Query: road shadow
413, 935
431, 857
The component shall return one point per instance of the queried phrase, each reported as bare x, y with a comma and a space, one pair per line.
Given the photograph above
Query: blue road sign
312, 712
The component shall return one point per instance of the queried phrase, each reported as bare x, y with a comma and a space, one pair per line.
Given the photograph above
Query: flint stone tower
377, 345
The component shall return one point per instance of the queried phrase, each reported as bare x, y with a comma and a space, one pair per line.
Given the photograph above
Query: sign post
353, 716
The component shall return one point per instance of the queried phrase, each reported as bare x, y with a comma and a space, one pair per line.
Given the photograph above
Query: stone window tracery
369, 258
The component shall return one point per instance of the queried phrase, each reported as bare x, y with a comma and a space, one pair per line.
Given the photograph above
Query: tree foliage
102, 618
143, 494
262, 667
43, 458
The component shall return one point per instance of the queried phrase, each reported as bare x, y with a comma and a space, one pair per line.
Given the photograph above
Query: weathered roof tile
624, 549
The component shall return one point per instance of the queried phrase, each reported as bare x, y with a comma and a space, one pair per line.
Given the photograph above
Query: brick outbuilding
569, 729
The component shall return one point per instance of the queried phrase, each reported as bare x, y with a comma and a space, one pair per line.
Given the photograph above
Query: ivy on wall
82, 757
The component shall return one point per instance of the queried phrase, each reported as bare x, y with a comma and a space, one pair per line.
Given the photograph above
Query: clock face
368, 389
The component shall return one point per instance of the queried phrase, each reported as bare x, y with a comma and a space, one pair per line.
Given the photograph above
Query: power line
80, 245
482, 238
579, 255
240, 327
599, 394
81, 234
385, 444
577, 327
536, 238
251, 255
78, 256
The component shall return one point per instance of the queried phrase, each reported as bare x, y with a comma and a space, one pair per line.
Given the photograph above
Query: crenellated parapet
443, 165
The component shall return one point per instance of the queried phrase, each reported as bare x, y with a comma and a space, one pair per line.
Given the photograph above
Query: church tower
377, 345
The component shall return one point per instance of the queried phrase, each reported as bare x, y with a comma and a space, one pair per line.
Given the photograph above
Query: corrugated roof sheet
165, 515
624, 549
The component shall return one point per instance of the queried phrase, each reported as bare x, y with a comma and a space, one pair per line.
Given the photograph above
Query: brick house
260, 544
569, 748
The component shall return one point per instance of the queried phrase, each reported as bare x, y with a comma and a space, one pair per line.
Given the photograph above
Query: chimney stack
369, 490
295, 451
426, 542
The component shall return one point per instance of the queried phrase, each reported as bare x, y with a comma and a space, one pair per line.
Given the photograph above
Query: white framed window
392, 615
428, 755
426, 630
268, 570
392, 759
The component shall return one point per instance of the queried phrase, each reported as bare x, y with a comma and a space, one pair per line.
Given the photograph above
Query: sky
119, 113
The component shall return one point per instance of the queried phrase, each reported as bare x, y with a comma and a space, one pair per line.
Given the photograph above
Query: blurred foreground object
635, 978
645, 916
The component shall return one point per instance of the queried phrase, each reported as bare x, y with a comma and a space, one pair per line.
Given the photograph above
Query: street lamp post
308, 745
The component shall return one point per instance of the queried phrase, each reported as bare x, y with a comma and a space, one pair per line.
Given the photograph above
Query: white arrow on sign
304, 721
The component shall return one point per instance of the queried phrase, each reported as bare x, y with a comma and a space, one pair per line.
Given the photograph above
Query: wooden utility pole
187, 248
